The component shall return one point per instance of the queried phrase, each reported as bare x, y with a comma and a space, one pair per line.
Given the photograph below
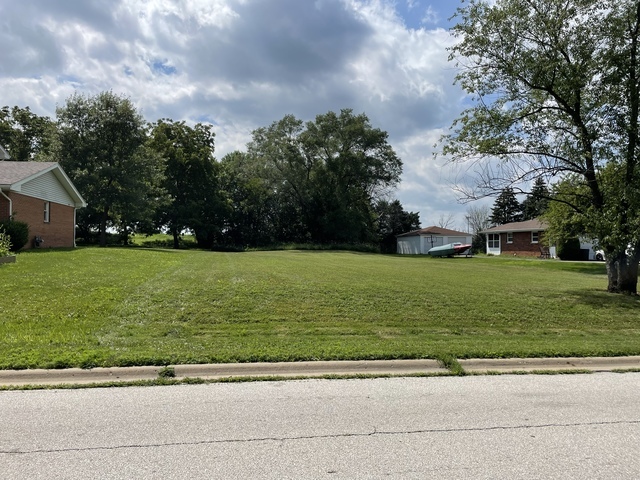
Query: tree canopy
190, 179
324, 181
537, 202
506, 208
330, 172
556, 87
25, 135
101, 140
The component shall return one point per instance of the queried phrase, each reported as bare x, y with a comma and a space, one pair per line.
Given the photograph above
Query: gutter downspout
74, 226
10, 204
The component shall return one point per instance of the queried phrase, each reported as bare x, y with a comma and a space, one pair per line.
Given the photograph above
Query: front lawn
130, 306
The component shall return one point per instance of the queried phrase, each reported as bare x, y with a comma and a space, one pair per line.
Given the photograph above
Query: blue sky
426, 13
242, 64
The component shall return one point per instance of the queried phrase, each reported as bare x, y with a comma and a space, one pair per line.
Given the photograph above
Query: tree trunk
176, 238
622, 271
103, 227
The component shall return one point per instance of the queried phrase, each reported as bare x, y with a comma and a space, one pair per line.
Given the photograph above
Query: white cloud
242, 64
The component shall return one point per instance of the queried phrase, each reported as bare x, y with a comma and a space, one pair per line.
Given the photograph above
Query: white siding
459, 240
430, 241
47, 187
586, 244
415, 245
409, 245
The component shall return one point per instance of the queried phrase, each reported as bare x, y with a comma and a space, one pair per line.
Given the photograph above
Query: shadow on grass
601, 299
589, 268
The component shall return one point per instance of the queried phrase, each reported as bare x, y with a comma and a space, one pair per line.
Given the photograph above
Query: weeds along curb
451, 363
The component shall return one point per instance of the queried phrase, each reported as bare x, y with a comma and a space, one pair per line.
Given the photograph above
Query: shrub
5, 243
570, 250
17, 231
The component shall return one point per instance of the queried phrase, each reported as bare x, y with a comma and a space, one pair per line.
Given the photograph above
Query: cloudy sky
242, 64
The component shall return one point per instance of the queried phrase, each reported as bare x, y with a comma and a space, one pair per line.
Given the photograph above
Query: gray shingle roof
14, 172
433, 230
529, 225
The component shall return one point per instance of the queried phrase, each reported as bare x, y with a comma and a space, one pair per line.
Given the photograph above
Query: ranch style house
41, 195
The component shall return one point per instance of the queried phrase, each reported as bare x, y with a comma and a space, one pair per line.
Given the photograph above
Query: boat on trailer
449, 250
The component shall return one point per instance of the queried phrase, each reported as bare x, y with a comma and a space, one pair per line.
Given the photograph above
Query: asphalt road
507, 426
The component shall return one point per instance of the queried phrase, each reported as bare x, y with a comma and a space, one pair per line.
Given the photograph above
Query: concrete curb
80, 376
592, 364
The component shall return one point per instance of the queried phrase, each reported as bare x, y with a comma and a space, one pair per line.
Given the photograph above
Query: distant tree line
324, 181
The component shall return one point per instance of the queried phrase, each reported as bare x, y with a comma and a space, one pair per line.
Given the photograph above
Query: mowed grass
129, 306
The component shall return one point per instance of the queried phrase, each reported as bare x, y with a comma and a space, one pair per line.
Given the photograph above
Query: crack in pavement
375, 432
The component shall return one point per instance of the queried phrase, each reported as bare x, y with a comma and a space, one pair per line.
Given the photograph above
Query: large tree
556, 85
101, 148
25, 135
394, 220
537, 202
329, 173
190, 179
506, 208
253, 214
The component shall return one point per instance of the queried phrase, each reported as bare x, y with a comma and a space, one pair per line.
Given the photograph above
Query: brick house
525, 239
41, 195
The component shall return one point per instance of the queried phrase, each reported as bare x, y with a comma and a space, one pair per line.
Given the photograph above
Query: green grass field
130, 306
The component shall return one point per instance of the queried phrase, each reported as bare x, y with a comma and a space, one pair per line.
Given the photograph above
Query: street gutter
369, 368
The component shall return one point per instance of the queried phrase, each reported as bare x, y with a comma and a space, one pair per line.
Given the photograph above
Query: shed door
457, 239
430, 241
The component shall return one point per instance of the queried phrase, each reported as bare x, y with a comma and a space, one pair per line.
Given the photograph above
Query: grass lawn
130, 306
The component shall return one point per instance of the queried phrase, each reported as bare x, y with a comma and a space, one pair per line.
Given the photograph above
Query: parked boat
449, 250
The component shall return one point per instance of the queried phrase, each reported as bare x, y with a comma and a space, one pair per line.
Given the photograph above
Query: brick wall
59, 232
521, 245
4, 208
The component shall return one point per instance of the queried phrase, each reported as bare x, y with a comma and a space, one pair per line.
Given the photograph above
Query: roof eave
515, 230
69, 186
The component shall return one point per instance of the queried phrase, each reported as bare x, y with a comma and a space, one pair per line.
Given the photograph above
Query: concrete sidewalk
312, 369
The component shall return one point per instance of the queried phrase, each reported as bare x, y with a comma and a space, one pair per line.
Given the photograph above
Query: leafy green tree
329, 173
253, 209
556, 85
101, 148
278, 153
537, 200
393, 220
506, 208
191, 180
142, 195
25, 135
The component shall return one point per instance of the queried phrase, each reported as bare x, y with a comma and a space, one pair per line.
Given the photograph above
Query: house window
46, 212
509, 237
535, 237
494, 240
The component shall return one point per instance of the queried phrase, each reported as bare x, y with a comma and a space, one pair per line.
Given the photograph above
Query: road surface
507, 426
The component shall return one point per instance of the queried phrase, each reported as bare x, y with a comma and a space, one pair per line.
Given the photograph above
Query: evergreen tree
537, 201
393, 220
506, 208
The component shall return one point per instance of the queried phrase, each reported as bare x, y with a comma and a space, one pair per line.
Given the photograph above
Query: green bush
570, 250
17, 231
5, 243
